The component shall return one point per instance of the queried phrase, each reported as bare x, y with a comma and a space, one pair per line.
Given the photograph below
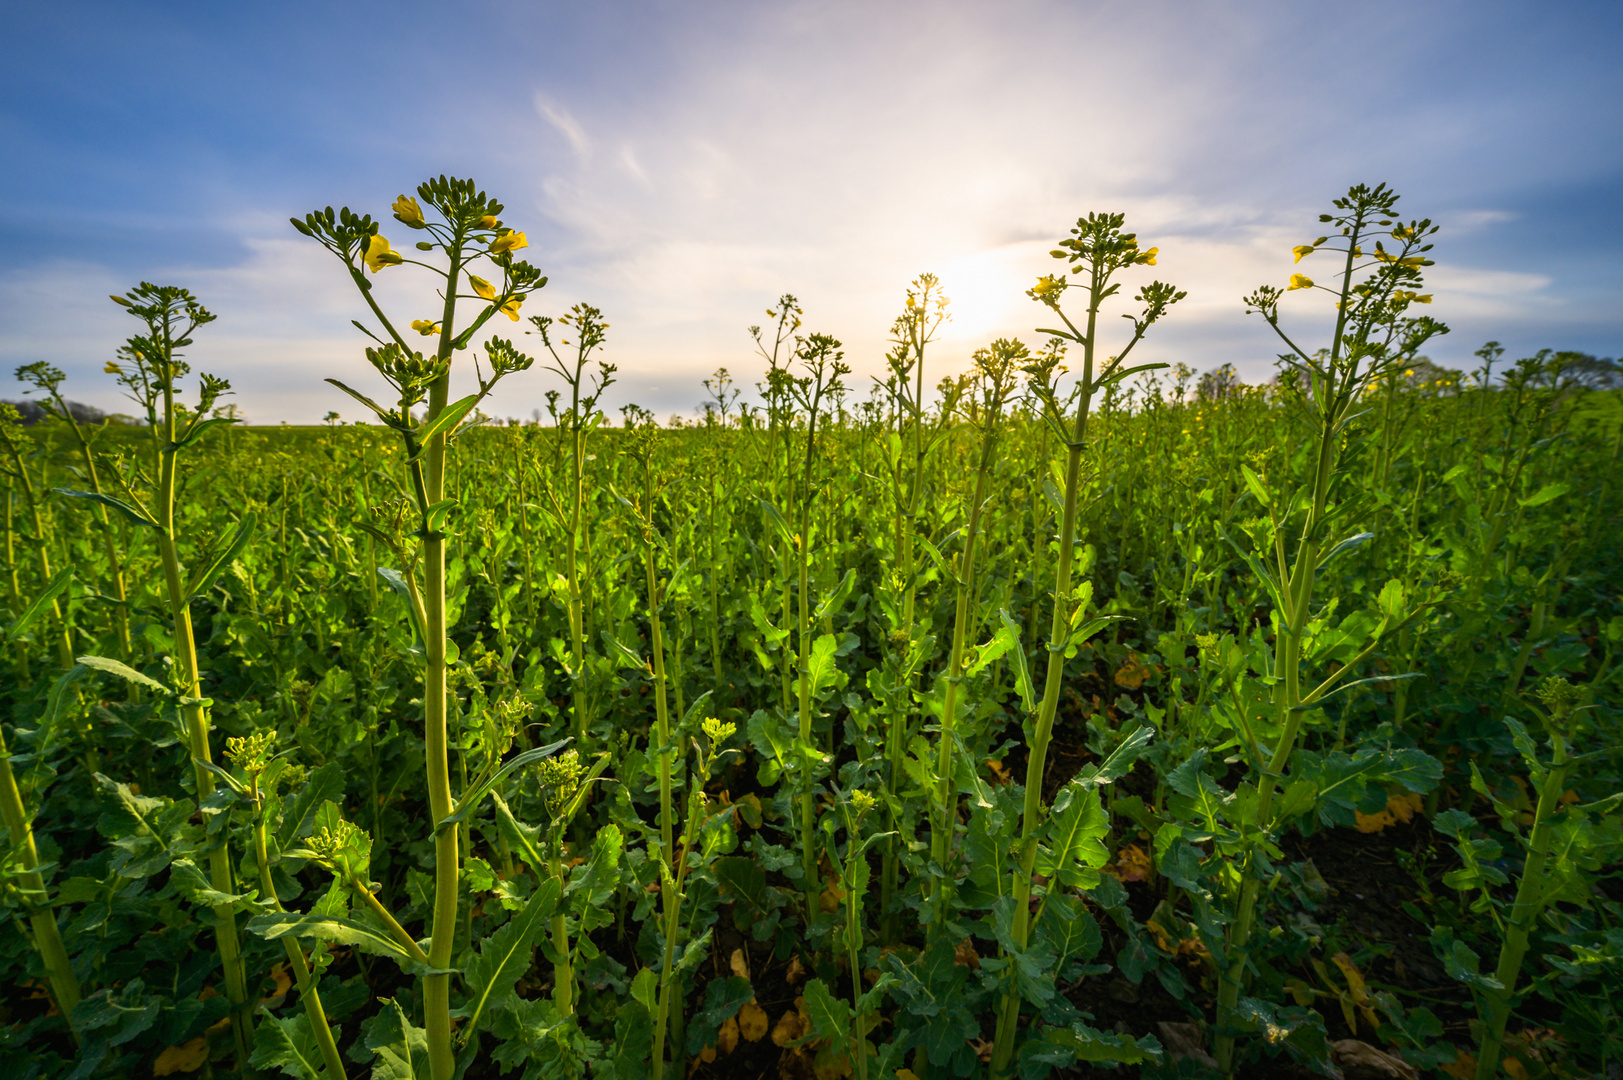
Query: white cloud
837, 150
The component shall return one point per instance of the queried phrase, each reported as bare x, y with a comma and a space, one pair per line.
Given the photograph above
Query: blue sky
682, 164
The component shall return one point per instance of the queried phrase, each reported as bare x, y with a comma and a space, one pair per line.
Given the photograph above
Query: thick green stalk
1287, 696
1529, 903
47, 940
1037, 750
309, 996
563, 971
577, 598
656, 642
197, 726
63, 638
671, 911
946, 787
436, 759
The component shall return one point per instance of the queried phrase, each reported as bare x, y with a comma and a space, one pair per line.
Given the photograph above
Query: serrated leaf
401, 1050
507, 954
134, 514
276, 924
119, 669
288, 1045
1074, 848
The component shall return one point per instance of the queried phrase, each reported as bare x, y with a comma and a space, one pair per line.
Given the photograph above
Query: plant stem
1530, 901
47, 939
309, 996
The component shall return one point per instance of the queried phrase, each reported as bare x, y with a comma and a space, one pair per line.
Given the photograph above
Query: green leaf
470, 800
623, 655
822, 667
55, 588
507, 954
123, 671
239, 540
276, 924
1205, 799
1254, 484
288, 1045
1022, 674
299, 814
379, 410
1545, 494
1070, 930
830, 1015
1355, 541
448, 418
835, 600
134, 513
197, 430
644, 987
722, 1000
400, 1048
191, 883
1121, 759
593, 885
1089, 1044
1075, 834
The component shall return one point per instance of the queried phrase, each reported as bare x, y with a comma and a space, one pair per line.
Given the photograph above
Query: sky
682, 165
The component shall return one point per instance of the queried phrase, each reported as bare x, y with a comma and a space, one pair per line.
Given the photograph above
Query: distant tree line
32, 413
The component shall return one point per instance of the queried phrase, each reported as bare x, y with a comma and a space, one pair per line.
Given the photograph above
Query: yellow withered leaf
752, 1022
185, 1058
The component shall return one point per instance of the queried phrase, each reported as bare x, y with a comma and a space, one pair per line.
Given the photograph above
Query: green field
1062, 715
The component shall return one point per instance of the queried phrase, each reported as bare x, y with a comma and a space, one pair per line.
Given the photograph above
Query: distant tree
32, 413
1219, 384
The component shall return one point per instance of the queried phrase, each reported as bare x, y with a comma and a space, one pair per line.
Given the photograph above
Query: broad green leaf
1546, 494
288, 1045
55, 588
134, 514
401, 1050
830, 1016
228, 554
507, 954
835, 600
1022, 674
276, 924
123, 671
1074, 836
1255, 485
447, 419
299, 812
722, 1000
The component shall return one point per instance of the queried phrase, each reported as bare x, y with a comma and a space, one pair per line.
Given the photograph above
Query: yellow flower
488, 222
425, 327
508, 241
113, 369
1147, 258
510, 309
1299, 281
482, 287
1047, 287
1424, 298
378, 254
408, 212
1301, 250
